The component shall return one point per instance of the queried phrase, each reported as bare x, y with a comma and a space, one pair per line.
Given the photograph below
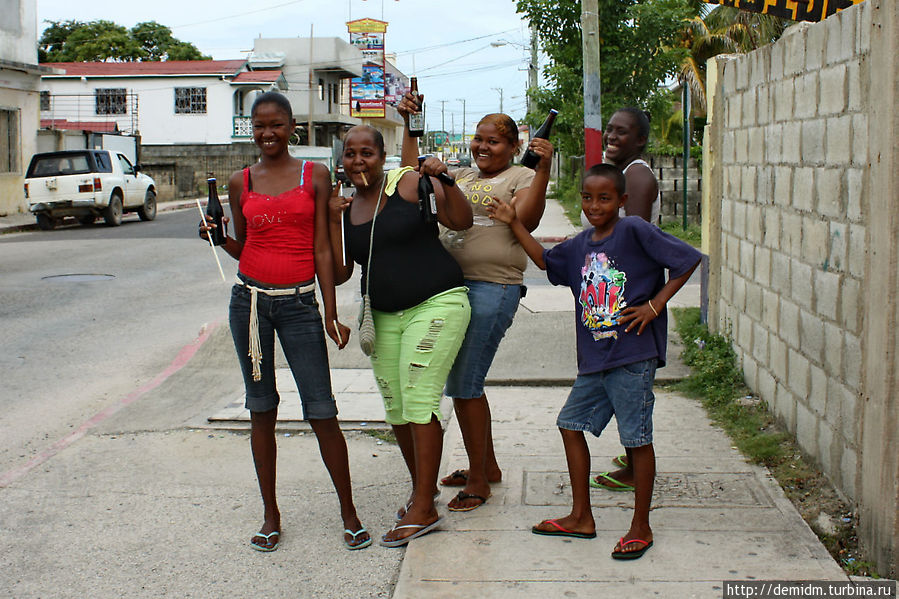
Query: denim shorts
625, 391
493, 306
413, 352
299, 326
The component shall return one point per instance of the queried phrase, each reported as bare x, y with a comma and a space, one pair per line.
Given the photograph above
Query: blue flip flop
361, 545
266, 547
619, 486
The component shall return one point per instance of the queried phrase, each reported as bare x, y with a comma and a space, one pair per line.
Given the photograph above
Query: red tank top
280, 232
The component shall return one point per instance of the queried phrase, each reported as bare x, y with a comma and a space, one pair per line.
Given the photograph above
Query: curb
32, 226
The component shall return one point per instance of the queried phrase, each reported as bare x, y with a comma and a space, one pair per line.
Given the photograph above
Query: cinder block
814, 239
860, 139
849, 469
792, 135
754, 223
849, 316
857, 249
783, 186
833, 90
760, 344
840, 36
813, 142
740, 219
836, 251
773, 144
727, 284
778, 351
802, 283
863, 28
817, 395
789, 322
767, 386
858, 91
791, 233
764, 185
744, 330
827, 294
772, 228
726, 218
760, 67
783, 100
855, 192
754, 300
757, 145
727, 147
750, 104
777, 61
824, 451
741, 146
811, 341
829, 185
833, 348
764, 111
762, 263
814, 48
738, 299
770, 308
730, 79
806, 428
852, 360
750, 370
781, 277
747, 182
733, 253
785, 407
806, 96
839, 141
849, 416
804, 188
742, 72
794, 56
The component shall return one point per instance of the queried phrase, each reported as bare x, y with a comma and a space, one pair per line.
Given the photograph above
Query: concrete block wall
180, 171
798, 141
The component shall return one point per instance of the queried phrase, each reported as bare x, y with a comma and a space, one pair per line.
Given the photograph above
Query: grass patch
385, 434
693, 234
567, 191
717, 382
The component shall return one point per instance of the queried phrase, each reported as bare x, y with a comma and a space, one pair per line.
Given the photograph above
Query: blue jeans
625, 391
298, 324
493, 306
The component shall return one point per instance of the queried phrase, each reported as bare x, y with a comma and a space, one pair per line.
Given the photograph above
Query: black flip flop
462, 496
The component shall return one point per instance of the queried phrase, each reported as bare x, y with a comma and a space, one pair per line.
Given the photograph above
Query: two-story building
20, 77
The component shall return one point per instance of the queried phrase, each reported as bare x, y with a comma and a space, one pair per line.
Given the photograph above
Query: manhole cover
79, 277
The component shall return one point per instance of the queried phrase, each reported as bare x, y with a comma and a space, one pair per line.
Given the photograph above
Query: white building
19, 84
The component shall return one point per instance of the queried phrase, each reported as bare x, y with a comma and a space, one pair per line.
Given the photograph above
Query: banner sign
795, 10
367, 92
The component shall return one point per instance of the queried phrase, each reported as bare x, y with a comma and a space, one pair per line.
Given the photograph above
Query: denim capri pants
493, 306
297, 321
625, 391
413, 352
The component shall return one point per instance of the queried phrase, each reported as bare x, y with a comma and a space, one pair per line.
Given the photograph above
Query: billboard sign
367, 92
795, 10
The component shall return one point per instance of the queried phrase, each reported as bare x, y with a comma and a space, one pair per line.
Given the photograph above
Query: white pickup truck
87, 184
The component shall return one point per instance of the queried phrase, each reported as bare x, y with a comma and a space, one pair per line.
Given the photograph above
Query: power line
234, 16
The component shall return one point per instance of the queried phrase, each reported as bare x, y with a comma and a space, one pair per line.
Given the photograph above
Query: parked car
464, 160
87, 184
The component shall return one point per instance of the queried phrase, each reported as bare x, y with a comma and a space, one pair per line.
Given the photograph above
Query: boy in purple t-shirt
616, 272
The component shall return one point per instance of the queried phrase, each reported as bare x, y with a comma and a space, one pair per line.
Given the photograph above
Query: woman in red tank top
279, 208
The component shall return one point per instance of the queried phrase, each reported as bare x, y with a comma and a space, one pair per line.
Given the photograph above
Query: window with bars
190, 100
45, 100
107, 101
9, 141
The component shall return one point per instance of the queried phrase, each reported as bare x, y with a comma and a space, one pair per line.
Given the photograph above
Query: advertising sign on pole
795, 10
367, 92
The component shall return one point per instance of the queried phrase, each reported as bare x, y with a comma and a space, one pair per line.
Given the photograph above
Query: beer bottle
531, 159
416, 119
427, 200
216, 212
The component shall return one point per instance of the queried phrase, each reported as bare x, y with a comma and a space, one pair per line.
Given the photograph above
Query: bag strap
371, 239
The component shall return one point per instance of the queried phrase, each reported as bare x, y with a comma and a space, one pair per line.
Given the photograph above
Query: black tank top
409, 263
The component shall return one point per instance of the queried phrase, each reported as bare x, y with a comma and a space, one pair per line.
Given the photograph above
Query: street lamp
532, 63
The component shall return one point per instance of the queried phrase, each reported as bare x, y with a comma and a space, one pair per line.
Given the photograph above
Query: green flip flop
618, 485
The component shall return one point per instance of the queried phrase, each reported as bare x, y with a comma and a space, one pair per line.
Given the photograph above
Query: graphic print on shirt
602, 295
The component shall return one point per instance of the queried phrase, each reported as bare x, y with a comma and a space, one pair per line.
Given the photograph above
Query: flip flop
361, 545
605, 476
631, 554
620, 460
266, 547
423, 529
459, 478
561, 531
462, 496
399, 516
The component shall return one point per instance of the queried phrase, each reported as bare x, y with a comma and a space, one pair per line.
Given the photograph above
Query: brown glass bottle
416, 119
216, 212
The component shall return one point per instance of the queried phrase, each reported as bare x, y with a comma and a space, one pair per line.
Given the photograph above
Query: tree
638, 51
76, 41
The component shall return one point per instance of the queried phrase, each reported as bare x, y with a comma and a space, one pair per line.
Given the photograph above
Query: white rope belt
255, 352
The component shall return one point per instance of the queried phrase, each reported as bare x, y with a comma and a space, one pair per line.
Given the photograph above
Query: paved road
75, 345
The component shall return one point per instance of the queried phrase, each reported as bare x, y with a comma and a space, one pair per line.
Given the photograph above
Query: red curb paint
181, 360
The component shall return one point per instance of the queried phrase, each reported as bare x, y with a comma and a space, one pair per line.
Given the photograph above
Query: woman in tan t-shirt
493, 264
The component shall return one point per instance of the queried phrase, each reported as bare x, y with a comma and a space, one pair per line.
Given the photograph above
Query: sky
447, 45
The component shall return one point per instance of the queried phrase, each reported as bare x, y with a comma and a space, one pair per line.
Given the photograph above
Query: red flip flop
631, 554
561, 531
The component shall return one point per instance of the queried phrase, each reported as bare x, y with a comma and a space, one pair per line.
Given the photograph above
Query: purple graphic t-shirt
626, 268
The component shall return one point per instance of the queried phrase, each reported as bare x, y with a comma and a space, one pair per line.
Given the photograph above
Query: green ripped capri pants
414, 351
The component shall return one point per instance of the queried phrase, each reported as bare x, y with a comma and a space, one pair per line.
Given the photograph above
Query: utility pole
592, 105
310, 136
442, 116
532, 68
463, 120
500, 90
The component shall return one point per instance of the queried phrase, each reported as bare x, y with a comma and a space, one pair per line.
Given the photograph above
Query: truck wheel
87, 219
112, 214
148, 210
45, 222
